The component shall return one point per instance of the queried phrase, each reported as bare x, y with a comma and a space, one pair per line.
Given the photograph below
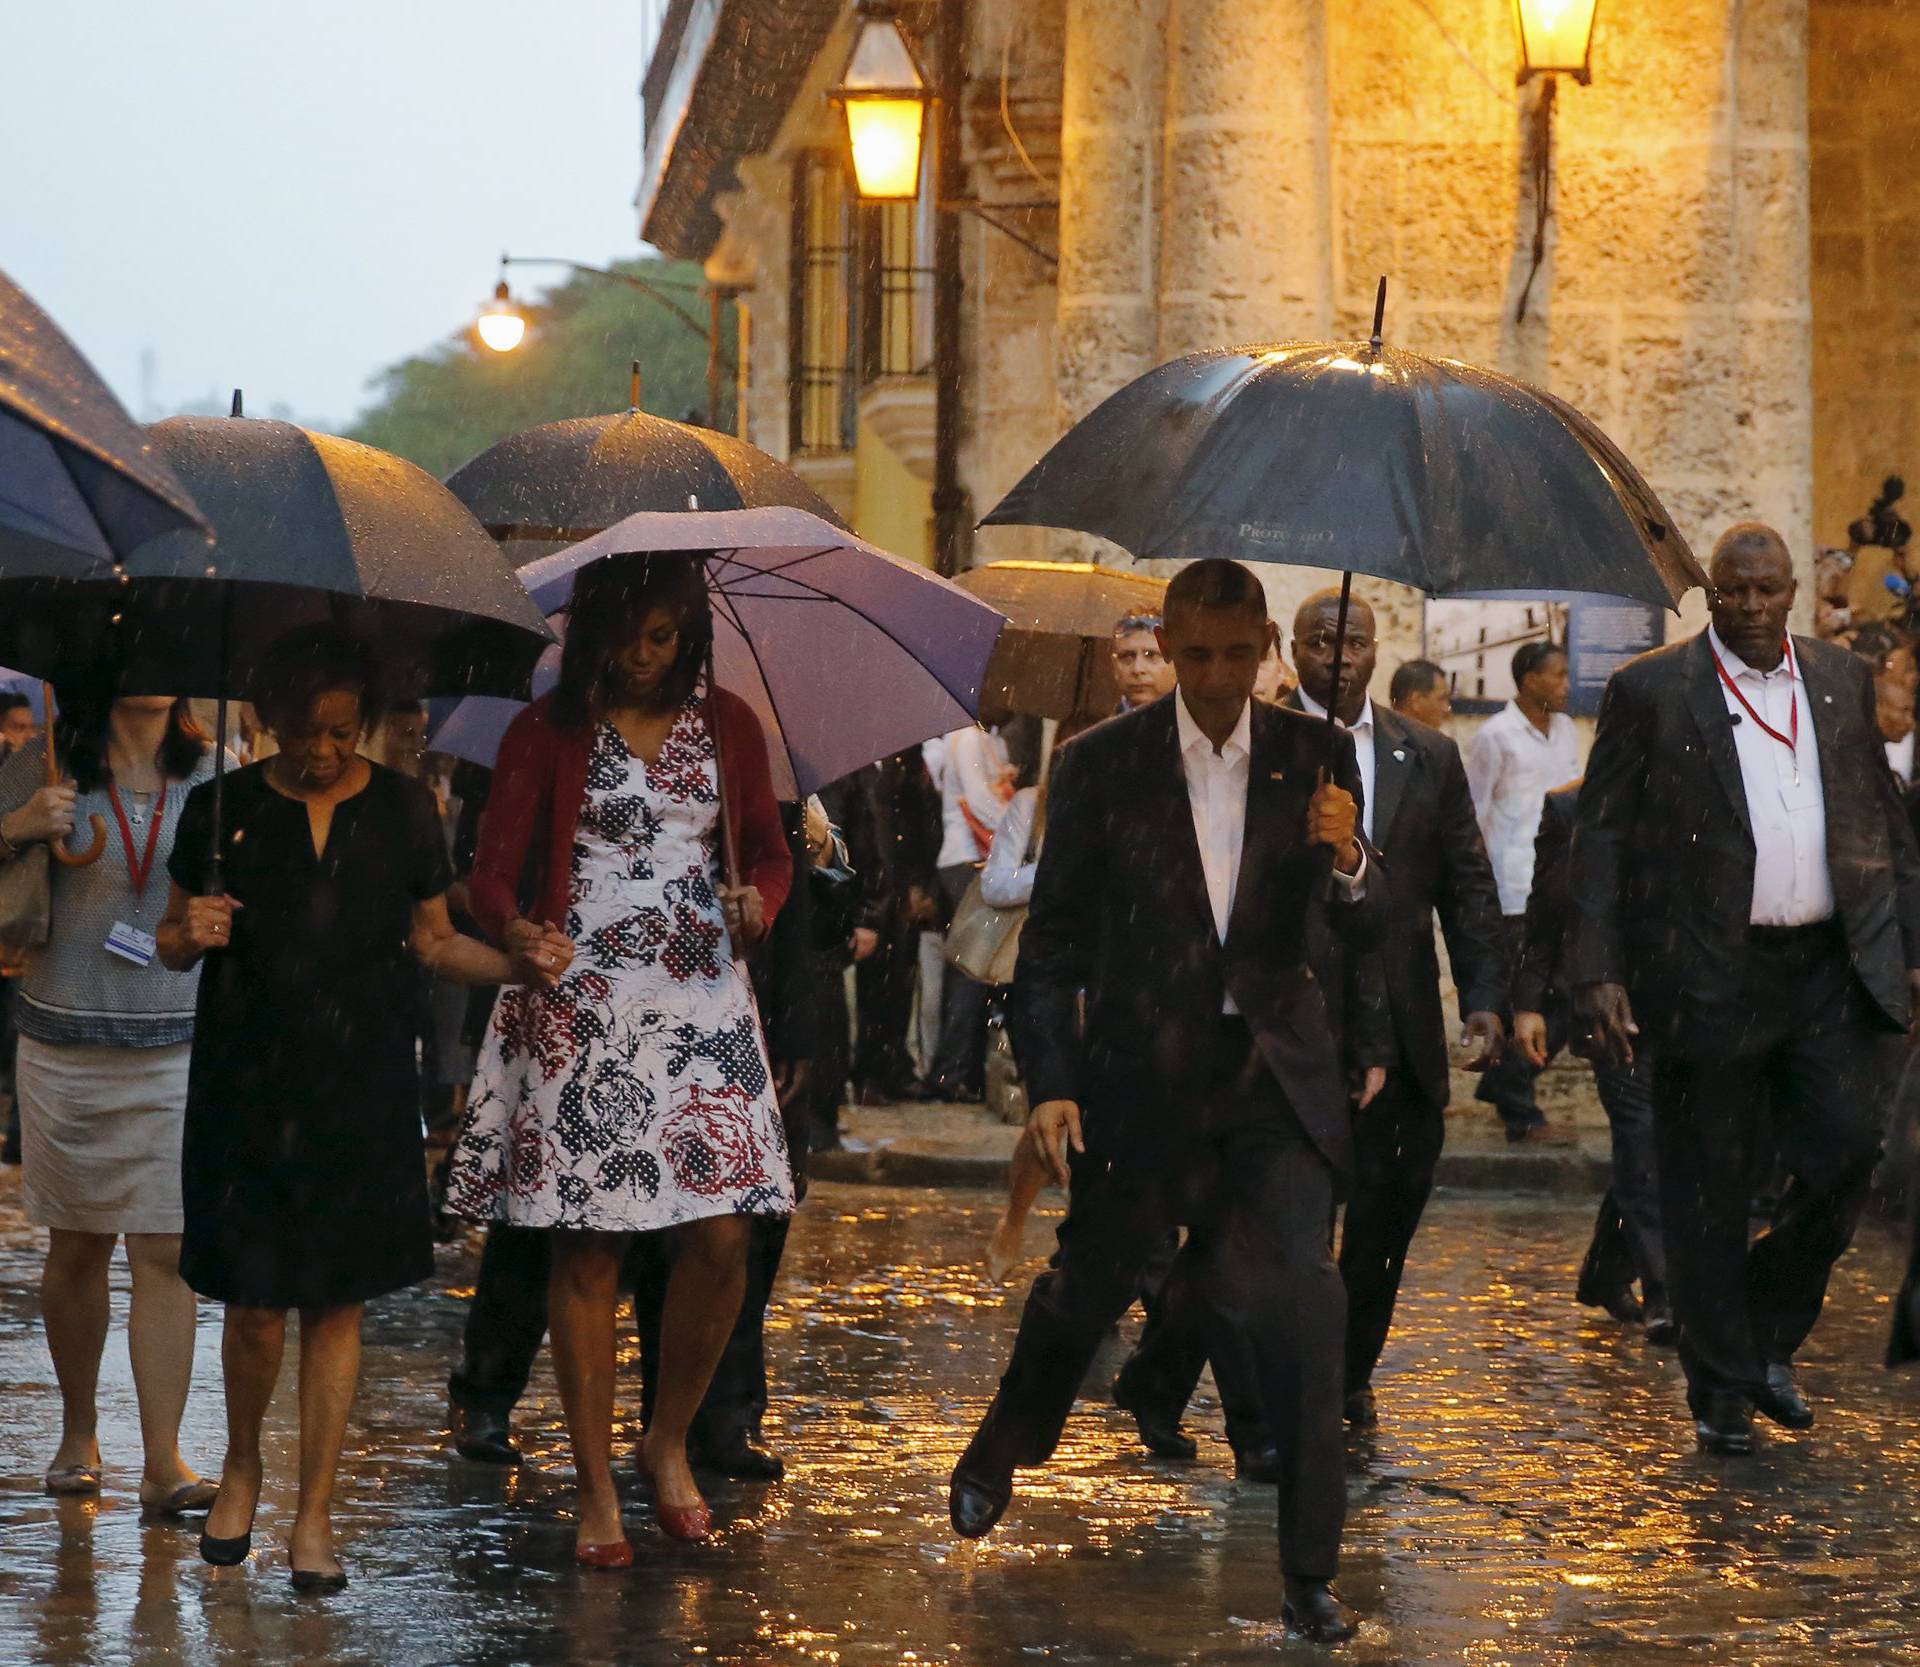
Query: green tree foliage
442, 407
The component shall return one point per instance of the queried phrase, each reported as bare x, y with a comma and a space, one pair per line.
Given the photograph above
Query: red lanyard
138, 868
1790, 742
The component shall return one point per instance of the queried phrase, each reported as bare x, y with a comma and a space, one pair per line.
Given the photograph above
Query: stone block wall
1863, 72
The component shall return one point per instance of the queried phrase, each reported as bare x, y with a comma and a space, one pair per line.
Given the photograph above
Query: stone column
1246, 220
1104, 331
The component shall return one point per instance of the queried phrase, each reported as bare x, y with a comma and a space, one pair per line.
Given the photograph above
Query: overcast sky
288, 195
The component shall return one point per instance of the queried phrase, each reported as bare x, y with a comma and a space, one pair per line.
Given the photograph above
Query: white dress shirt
1511, 768
1217, 793
1785, 801
1362, 730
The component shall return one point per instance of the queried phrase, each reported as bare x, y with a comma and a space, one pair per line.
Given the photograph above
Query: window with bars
861, 305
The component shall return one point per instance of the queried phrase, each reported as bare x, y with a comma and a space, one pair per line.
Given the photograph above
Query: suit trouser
507, 1322
1508, 1086
1626, 1233
883, 995
959, 1067
1807, 1046
1257, 1198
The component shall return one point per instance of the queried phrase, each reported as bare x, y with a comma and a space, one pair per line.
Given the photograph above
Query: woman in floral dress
631, 1095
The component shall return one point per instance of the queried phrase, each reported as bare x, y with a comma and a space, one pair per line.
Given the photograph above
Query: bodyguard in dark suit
1626, 1236
1420, 819
1746, 885
1187, 850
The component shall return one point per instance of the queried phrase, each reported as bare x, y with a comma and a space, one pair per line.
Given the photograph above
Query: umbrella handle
92, 854
729, 852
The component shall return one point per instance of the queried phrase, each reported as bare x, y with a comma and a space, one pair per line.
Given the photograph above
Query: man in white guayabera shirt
1745, 890
1194, 847
1522, 753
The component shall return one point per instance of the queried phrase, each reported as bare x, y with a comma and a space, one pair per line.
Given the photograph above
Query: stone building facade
1729, 285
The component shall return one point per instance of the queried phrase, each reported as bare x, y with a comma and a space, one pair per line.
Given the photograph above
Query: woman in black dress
304, 1180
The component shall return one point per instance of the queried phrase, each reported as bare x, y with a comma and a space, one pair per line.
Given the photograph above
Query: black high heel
226, 1554
315, 1580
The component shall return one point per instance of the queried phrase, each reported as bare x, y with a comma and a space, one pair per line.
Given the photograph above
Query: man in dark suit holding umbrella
1746, 886
1187, 848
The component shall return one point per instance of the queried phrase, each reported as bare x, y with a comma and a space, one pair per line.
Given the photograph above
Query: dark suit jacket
1539, 984
1120, 911
1663, 856
1429, 841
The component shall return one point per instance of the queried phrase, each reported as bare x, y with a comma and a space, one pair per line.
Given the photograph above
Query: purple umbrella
846, 654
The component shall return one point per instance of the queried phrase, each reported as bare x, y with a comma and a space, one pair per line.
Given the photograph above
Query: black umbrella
565, 481
80, 483
1362, 458
311, 528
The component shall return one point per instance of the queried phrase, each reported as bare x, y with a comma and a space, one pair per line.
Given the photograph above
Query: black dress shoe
1783, 1402
976, 1500
1359, 1410
225, 1554
484, 1437
1157, 1433
1312, 1612
1725, 1425
1662, 1328
743, 1458
1257, 1464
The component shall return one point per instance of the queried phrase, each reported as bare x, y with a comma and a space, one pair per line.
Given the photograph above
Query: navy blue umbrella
81, 485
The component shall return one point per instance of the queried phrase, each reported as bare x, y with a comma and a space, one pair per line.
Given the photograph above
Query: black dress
303, 1177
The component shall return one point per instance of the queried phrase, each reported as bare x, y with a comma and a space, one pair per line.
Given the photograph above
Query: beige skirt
100, 1134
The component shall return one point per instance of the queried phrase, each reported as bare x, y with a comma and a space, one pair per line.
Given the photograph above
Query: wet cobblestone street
1532, 1496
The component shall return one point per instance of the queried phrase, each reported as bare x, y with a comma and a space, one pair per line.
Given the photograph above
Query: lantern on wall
884, 98
1556, 38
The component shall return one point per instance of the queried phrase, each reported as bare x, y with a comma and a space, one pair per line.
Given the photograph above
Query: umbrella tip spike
633, 391
238, 405
1379, 311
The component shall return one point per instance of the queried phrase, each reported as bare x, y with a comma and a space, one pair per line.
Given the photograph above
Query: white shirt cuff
1354, 884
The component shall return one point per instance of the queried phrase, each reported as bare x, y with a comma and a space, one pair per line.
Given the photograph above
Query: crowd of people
630, 1014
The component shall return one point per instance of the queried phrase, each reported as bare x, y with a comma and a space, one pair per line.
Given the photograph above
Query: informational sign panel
1473, 640
1602, 633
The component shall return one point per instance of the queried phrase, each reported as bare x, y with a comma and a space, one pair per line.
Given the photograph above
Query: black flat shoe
1257, 1464
316, 1581
1663, 1330
483, 1437
974, 1504
1157, 1434
225, 1554
745, 1460
1725, 1426
1359, 1410
1311, 1611
1783, 1402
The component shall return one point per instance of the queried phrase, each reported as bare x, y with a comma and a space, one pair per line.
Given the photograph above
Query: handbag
26, 900
982, 941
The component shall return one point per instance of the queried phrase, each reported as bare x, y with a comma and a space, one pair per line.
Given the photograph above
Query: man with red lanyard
1746, 897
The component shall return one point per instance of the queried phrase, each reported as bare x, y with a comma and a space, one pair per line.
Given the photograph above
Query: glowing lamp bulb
501, 325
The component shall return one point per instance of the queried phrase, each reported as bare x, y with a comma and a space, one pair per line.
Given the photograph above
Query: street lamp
501, 324
1556, 38
884, 98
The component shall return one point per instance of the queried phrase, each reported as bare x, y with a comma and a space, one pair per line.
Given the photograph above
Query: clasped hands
540, 953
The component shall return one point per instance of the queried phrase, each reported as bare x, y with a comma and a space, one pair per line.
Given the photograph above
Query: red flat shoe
615, 1554
690, 1523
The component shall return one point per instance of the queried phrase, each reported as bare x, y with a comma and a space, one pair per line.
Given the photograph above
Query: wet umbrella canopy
80, 482
845, 653
1052, 659
311, 528
1365, 458
566, 481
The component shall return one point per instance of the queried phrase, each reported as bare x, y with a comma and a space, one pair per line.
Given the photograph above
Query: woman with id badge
105, 1036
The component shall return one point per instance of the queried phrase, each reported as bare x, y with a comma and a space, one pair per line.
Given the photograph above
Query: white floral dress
635, 1094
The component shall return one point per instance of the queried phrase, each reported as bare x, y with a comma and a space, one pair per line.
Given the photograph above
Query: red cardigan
525, 861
